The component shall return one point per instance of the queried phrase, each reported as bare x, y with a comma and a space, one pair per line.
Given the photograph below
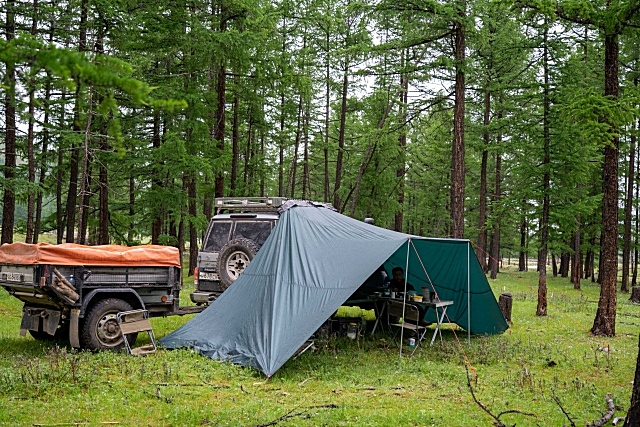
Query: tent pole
404, 300
468, 294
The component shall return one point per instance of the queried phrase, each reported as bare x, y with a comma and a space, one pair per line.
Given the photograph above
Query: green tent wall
313, 261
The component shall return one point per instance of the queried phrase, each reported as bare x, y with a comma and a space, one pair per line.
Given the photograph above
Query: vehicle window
258, 231
218, 236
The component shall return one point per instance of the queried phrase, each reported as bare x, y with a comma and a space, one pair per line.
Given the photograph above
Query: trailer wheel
100, 330
234, 257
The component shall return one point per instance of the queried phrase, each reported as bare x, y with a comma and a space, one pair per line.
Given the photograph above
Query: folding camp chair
410, 316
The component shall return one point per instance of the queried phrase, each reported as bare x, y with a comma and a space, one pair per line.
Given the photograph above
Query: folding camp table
442, 305
437, 305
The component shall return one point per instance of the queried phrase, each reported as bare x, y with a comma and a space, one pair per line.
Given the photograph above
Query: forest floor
544, 371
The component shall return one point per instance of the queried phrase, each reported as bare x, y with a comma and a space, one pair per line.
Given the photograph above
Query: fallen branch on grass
189, 385
566, 414
498, 423
79, 423
292, 414
611, 408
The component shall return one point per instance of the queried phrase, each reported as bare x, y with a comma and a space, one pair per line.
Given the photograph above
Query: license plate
13, 277
208, 276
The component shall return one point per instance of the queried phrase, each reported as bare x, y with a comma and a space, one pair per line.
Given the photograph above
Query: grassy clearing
343, 382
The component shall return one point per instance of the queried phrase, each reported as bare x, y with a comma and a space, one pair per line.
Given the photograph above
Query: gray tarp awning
312, 262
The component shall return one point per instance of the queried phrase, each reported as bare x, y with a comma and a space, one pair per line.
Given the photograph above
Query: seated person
398, 282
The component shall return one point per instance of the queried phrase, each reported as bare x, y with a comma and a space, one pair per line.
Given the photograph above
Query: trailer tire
234, 257
100, 330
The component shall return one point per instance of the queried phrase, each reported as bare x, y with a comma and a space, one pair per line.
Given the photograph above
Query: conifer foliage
512, 124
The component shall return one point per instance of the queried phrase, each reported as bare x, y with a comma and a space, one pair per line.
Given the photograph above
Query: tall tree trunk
482, 203
44, 165
541, 309
132, 206
157, 224
31, 164
193, 231
103, 198
633, 415
306, 181
592, 258
564, 264
626, 247
86, 202
576, 259
522, 258
72, 190
220, 124
181, 238
327, 117
220, 116
262, 153
495, 239
84, 177
235, 139
341, 135
45, 155
604, 323
61, 219
457, 156
9, 197
248, 155
402, 143
634, 279
296, 147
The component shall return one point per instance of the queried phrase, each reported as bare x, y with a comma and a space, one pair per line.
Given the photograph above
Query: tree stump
505, 302
635, 294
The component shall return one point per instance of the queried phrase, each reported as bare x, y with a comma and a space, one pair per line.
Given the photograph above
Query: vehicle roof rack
248, 204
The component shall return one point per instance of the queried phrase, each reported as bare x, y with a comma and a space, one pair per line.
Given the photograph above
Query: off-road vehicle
236, 232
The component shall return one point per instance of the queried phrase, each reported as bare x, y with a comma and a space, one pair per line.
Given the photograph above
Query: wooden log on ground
505, 302
635, 294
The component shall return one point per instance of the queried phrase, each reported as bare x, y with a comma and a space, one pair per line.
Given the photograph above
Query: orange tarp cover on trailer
73, 254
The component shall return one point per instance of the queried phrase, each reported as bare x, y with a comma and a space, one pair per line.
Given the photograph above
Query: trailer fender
125, 294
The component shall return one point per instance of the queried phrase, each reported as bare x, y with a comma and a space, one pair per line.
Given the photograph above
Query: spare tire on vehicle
234, 257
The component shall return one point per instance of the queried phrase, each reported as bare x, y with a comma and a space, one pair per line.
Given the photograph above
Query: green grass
343, 382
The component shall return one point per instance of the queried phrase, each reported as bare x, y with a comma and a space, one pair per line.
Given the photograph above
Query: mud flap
74, 328
31, 320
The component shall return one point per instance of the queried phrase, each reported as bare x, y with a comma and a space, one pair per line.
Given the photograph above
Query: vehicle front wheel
100, 329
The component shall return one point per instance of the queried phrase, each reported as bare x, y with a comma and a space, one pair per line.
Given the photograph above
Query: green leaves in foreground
72, 68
